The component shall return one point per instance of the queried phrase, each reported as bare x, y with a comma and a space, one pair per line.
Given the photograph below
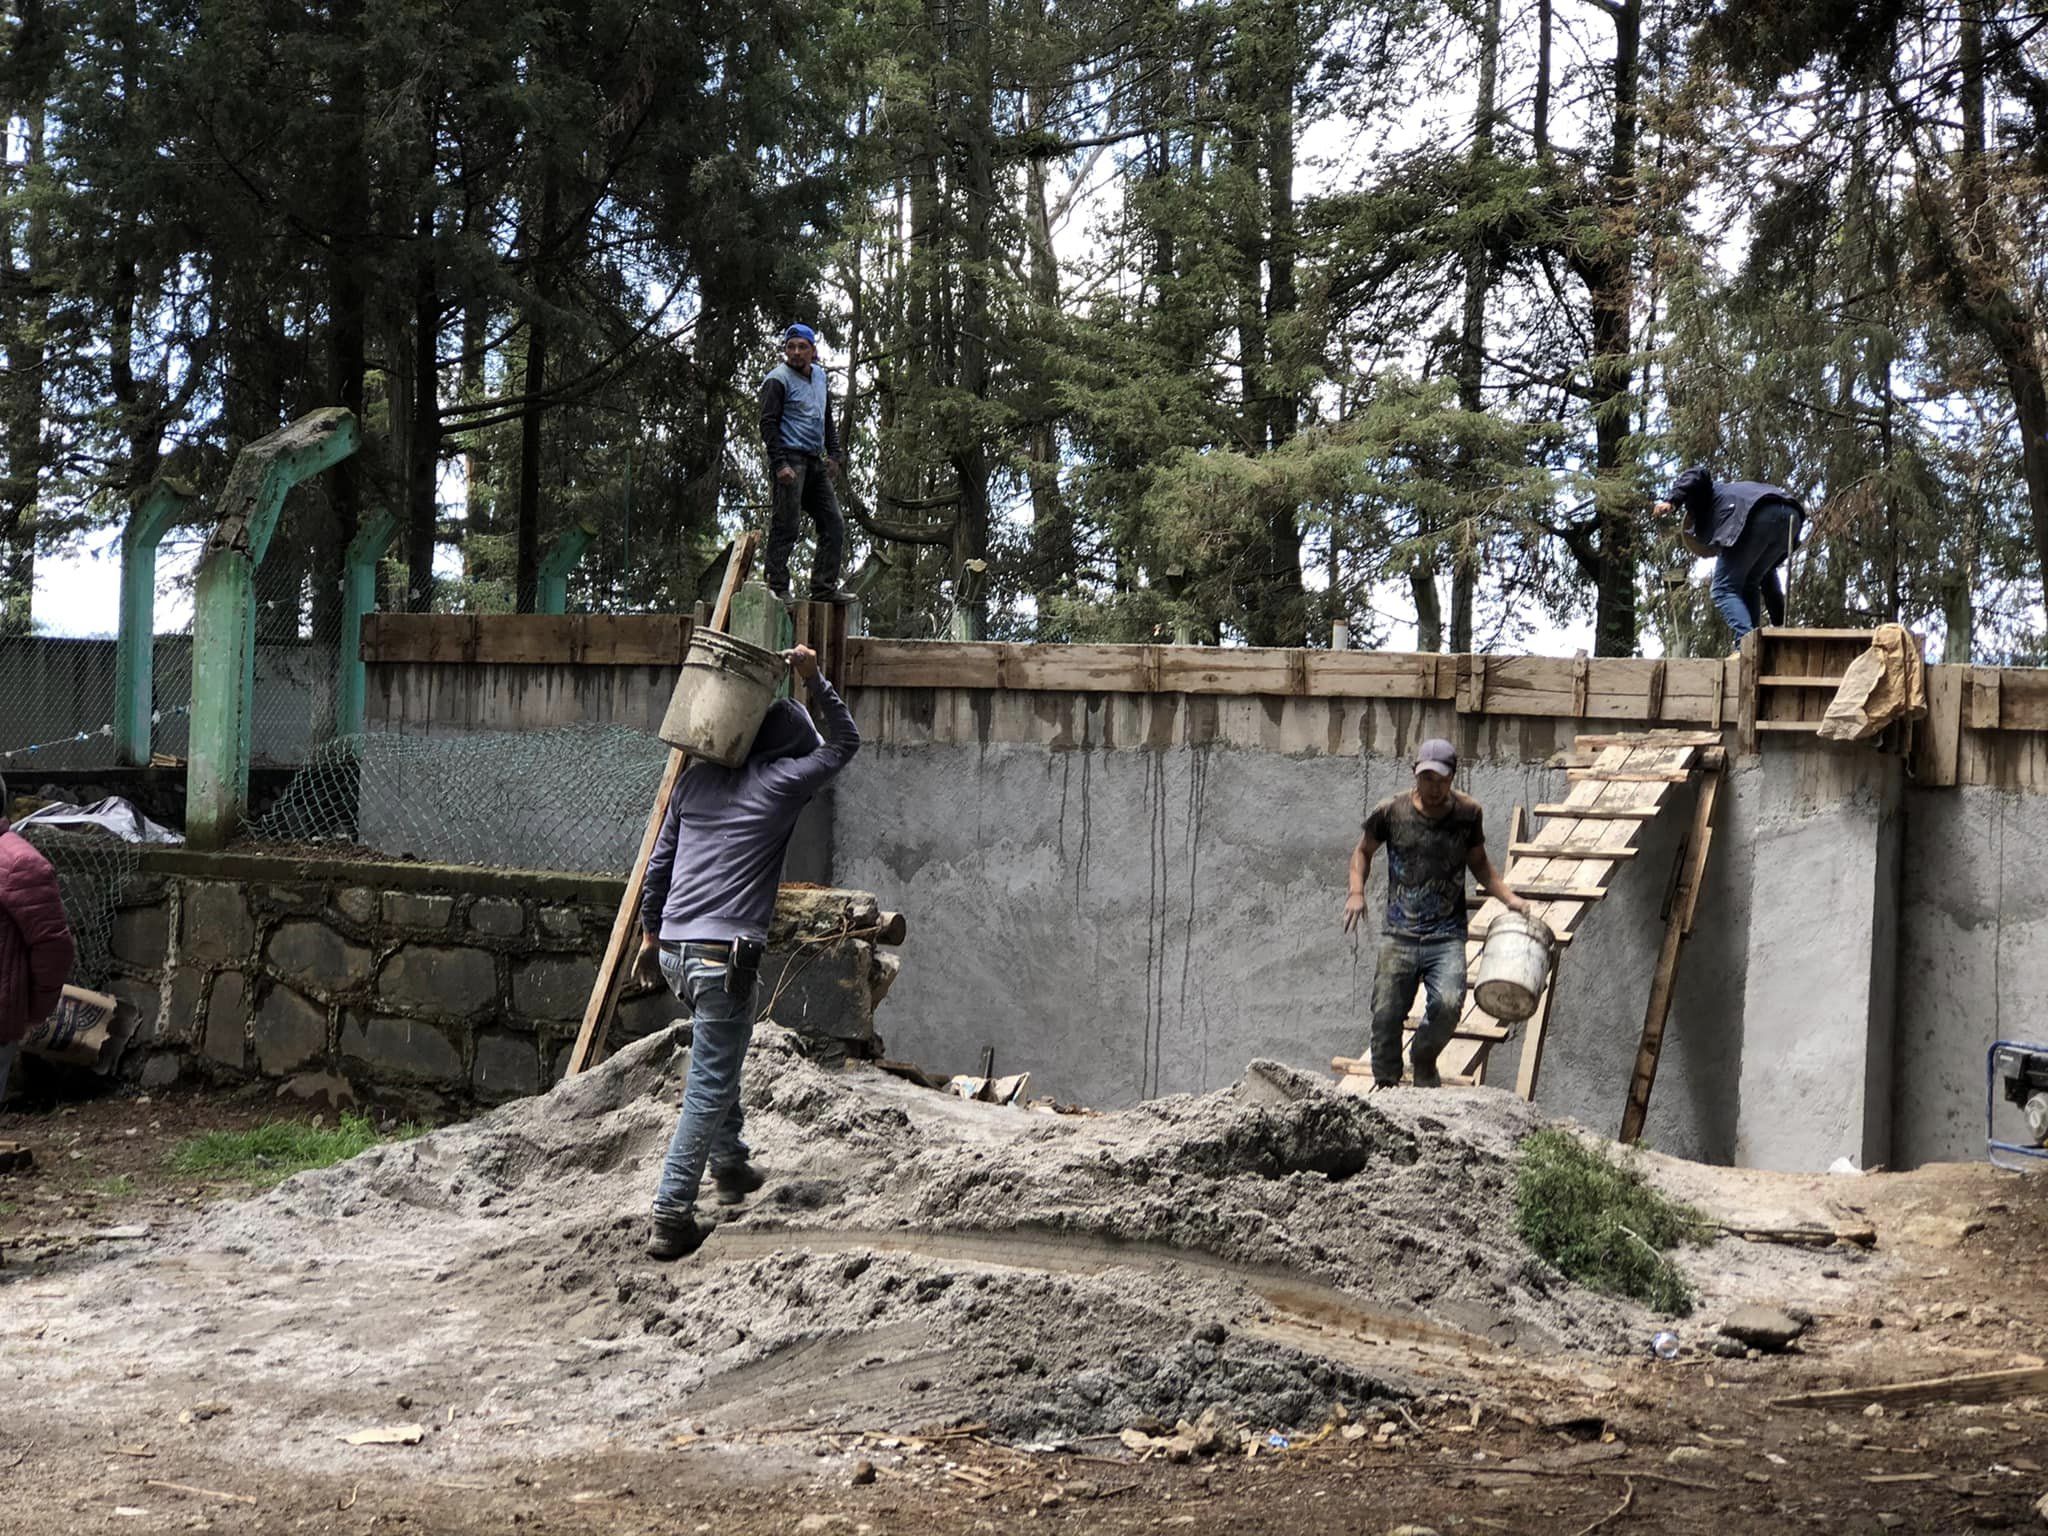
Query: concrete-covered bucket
1514, 965
721, 698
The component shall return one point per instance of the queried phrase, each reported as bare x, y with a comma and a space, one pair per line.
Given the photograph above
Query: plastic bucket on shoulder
721, 698
1514, 966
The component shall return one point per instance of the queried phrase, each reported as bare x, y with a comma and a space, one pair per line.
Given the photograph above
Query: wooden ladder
1618, 783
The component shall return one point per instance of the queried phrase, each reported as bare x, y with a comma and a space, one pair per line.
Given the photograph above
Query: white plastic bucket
721, 698
1514, 966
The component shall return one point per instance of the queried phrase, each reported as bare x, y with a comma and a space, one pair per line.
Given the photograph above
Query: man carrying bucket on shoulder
1433, 834
709, 894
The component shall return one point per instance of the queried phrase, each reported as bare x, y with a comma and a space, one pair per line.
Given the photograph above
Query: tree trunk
1609, 273
423, 441
24, 313
1472, 332
527, 522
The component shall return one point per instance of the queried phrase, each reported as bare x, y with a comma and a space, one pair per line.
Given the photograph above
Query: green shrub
273, 1152
1601, 1223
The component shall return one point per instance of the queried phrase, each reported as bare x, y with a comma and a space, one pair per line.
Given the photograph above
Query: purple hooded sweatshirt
718, 862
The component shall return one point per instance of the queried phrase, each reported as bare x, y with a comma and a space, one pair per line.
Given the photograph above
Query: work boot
734, 1184
1424, 1075
779, 590
674, 1239
836, 595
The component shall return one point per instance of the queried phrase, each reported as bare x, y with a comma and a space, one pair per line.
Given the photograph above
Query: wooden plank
1571, 851
1370, 675
1652, 739
1692, 862
621, 948
1787, 632
1649, 776
526, 639
1981, 708
1214, 669
1974, 1387
1602, 813
919, 664
1748, 653
1799, 682
2022, 699
1543, 890
1810, 727
1937, 746
1535, 1030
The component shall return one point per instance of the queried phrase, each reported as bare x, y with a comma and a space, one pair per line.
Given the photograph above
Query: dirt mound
915, 1258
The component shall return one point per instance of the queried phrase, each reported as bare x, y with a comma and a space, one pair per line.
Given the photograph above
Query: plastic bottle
1665, 1346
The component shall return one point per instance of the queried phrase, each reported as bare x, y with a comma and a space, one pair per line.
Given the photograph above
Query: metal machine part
2018, 1071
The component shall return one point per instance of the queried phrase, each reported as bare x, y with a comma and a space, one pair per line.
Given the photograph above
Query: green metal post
557, 563
358, 597
224, 613
134, 647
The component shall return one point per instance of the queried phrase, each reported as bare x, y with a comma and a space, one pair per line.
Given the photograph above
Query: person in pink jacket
36, 947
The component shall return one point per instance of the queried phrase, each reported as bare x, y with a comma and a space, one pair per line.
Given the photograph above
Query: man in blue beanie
1751, 528
803, 449
704, 912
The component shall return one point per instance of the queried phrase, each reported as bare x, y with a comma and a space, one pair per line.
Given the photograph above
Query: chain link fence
93, 868
571, 798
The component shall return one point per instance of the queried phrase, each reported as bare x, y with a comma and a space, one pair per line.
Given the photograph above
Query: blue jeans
1439, 965
708, 1130
1746, 589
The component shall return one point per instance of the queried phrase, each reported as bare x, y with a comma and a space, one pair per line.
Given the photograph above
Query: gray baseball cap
1437, 756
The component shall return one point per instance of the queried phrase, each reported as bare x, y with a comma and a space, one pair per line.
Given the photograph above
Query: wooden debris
1975, 1387
204, 1493
389, 1434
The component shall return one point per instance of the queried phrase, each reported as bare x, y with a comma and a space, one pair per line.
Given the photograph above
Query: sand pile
918, 1258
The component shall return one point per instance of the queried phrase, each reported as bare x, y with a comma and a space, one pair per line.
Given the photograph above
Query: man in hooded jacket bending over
710, 891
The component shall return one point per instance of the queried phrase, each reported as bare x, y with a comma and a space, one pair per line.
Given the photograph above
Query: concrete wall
1820, 989
1972, 960
1126, 923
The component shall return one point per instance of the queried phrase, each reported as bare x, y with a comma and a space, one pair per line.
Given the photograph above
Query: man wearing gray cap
1432, 834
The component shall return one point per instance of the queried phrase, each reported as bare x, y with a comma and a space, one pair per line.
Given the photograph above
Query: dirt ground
1567, 1443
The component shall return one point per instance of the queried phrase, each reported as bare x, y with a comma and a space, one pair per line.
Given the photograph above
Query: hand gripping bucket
721, 698
1514, 966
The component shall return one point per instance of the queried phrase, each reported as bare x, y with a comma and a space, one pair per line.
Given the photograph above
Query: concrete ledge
384, 874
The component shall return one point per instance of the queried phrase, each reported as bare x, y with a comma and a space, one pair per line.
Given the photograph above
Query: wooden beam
621, 949
1975, 1387
1602, 812
1651, 739
1799, 682
1622, 776
1787, 632
1542, 891
1749, 667
1810, 727
526, 639
1570, 851
1691, 864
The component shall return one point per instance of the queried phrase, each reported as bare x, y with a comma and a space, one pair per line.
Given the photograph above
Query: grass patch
118, 1185
1601, 1223
271, 1153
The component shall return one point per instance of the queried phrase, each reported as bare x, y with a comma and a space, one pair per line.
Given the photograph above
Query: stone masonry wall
423, 985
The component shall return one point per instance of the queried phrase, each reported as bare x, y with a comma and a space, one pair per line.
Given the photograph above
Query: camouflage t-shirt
1426, 864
